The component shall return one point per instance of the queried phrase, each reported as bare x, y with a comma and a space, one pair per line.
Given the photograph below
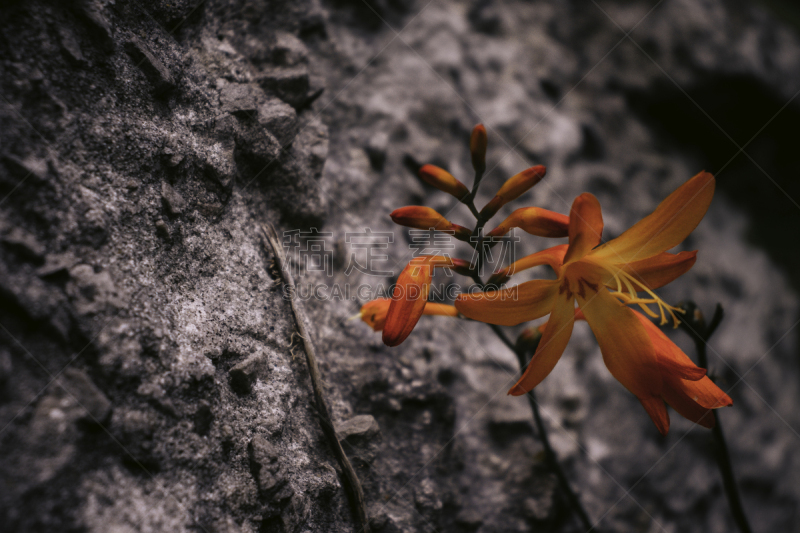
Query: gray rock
70, 45
173, 201
79, 385
159, 75
359, 429
266, 468
31, 167
56, 266
280, 119
25, 244
289, 84
219, 164
93, 13
240, 98
244, 375
288, 50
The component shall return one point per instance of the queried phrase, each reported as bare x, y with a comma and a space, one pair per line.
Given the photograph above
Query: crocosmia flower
603, 280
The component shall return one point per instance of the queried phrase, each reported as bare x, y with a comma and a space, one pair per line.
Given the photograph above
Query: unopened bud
499, 277
529, 339
443, 180
536, 221
421, 217
513, 188
461, 266
477, 147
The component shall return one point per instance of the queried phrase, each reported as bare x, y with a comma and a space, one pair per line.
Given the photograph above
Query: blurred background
149, 377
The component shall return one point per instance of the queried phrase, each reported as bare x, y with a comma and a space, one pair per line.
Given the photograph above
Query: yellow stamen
633, 286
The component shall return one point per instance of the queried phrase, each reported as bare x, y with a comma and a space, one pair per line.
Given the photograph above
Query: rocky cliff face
149, 379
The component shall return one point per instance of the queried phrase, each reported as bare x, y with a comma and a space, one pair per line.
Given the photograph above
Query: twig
695, 325
352, 484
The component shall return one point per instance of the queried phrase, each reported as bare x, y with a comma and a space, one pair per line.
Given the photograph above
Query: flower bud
529, 339
421, 217
443, 180
536, 221
410, 297
499, 277
513, 188
462, 267
477, 147
373, 313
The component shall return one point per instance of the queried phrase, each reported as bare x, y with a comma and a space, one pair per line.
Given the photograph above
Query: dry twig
352, 484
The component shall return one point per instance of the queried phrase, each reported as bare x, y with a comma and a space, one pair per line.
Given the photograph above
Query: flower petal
671, 359
626, 347
705, 393
509, 307
657, 410
657, 271
554, 341
695, 399
408, 301
551, 256
585, 226
666, 227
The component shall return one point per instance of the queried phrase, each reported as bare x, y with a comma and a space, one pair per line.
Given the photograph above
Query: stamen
632, 297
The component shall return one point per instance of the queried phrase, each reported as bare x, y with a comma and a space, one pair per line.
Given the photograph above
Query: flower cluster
595, 282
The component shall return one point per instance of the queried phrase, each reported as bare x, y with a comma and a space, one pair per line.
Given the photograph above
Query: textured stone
359, 429
243, 376
159, 75
239, 98
289, 84
266, 468
280, 119
173, 201
25, 244
79, 385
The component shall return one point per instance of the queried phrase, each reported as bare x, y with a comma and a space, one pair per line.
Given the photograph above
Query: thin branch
694, 324
352, 484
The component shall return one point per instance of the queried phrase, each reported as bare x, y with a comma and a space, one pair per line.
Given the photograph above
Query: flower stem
550, 455
693, 323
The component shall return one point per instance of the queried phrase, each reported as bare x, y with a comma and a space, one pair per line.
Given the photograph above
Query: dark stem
700, 334
550, 456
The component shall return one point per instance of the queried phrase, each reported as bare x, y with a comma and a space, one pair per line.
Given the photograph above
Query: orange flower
410, 296
374, 312
637, 261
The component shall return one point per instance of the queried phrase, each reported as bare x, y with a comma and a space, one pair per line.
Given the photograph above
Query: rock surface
149, 369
